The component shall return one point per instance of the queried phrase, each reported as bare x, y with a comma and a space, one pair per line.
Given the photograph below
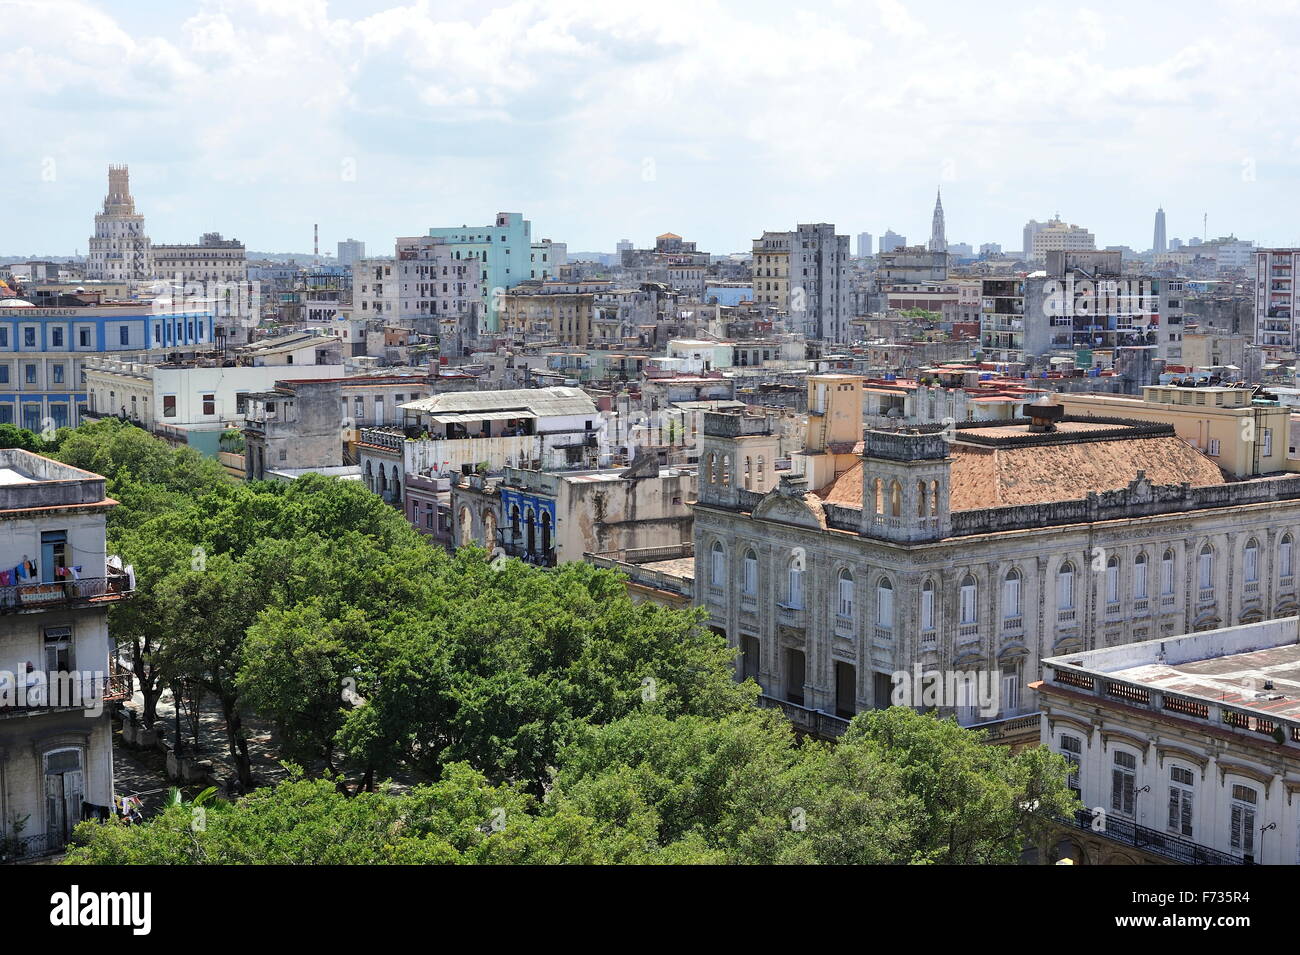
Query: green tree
980, 804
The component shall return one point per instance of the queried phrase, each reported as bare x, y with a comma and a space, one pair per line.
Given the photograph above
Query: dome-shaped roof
15, 303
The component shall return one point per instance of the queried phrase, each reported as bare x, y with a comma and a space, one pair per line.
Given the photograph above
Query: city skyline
602, 125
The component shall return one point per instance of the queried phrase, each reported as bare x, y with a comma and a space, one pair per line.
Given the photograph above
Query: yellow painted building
566, 317
1243, 436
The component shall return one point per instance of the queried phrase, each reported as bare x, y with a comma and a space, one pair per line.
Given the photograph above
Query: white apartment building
209, 392
1275, 301
540, 428
432, 278
57, 678
1185, 749
1058, 236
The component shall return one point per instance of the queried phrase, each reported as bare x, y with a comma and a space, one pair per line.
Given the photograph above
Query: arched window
466, 526
1167, 573
1205, 567
969, 601
760, 472
1065, 587
712, 477
1112, 580
489, 530
514, 522
749, 473
895, 499
749, 582
845, 591
922, 499
885, 604
530, 527
1011, 594
794, 583
877, 500
1250, 562
927, 605
546, 532
717, 565
1140, 576
1284, 557
726, 470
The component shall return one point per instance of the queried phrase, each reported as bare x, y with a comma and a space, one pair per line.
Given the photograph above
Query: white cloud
756, 115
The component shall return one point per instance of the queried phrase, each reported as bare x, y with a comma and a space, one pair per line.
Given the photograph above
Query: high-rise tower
938, 243
119, 249
1158, 243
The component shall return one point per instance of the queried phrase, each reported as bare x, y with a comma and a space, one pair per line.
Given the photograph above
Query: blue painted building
42, 349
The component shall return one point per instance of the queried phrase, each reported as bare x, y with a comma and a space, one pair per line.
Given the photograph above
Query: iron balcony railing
817, 723
1174, 848
40, 596
69, 690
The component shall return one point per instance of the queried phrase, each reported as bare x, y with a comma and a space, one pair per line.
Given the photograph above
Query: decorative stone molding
1164, 752
1248, 772
1082, 727
1110, 736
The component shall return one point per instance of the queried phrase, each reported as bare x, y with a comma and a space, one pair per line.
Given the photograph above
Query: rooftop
1007, 465
30, 481
1253, 667
542, 402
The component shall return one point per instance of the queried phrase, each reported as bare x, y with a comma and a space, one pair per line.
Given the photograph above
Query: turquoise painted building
507, 252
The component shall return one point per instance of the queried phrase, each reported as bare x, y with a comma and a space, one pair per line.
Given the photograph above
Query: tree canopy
539, 715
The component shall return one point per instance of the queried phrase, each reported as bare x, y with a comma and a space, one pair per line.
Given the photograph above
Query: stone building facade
981, 549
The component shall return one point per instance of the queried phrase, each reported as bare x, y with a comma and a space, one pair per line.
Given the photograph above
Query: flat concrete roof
14, 476
1235, 678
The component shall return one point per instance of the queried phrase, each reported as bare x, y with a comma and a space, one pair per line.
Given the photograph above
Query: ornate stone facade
828, 601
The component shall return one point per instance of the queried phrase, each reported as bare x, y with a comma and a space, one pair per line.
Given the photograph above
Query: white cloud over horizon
242, 115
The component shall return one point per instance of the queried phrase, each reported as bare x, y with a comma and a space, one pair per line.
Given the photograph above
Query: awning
472, 416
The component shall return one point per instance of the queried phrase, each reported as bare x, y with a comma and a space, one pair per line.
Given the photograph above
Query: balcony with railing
1174, 848
67, 592
814, 722
71, 690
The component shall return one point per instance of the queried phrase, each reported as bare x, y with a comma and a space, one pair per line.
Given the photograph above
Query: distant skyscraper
864, 244
1158, 243
938, 242
1175, 245
1032, 228
350, 251
891, 240
988, 249
624, 245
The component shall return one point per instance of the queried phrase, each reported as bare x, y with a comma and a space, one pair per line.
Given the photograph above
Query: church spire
938, 242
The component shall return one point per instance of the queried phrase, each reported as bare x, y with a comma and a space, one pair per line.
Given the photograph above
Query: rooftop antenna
1205, 229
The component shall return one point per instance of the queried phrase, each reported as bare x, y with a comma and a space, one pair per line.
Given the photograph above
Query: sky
607, 120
